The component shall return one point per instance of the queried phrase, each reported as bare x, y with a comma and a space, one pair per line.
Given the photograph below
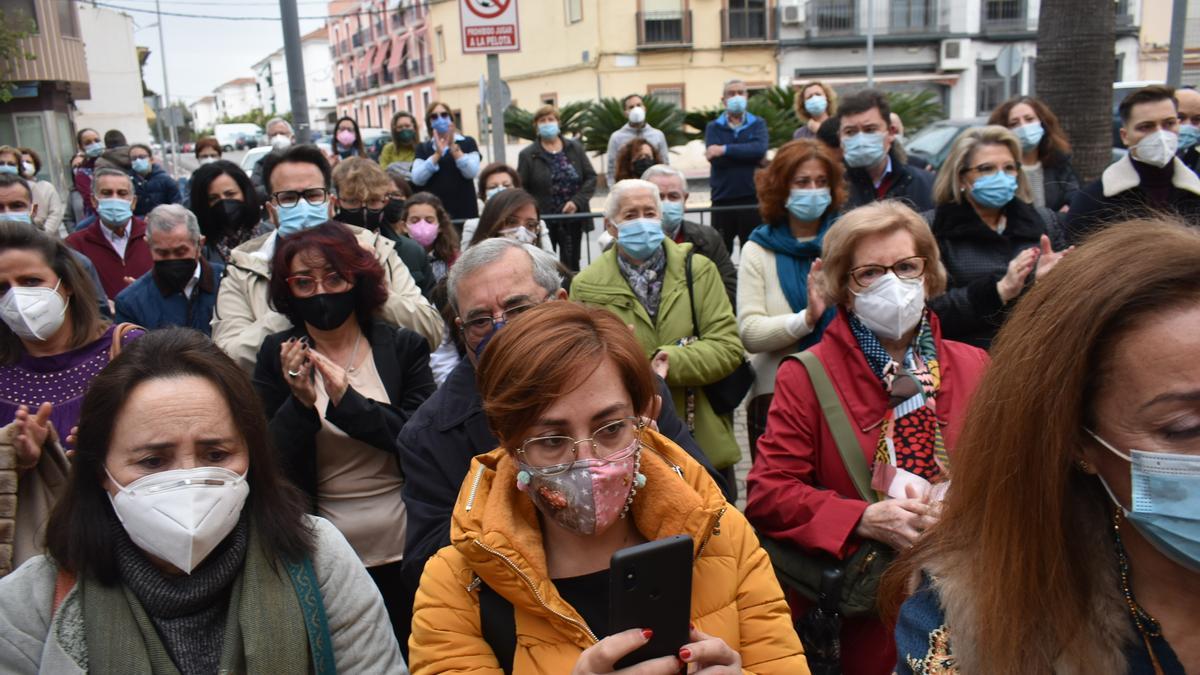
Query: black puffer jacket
976, 257
1059, 181
911, 185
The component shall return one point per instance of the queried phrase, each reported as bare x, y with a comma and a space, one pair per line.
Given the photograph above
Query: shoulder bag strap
687, 270
843, 432
498, 623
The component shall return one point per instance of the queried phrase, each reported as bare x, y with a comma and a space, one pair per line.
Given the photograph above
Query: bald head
1189, 106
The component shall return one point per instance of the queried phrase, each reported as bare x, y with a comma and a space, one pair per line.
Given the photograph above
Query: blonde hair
360, 178
830, 98
837, 251
949, 186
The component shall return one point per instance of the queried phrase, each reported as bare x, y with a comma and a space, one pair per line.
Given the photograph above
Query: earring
1083, 466
523, 480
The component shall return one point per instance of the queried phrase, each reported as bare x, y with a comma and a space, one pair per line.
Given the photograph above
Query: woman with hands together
447, 164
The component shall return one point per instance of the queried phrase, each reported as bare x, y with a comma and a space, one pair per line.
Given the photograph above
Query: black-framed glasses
907, 268
611, 442
479, 327
1009, 168
289, 198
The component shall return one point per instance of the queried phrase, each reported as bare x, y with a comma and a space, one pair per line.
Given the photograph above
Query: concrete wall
116, 79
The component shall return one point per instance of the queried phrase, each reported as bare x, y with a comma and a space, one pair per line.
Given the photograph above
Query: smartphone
650, 586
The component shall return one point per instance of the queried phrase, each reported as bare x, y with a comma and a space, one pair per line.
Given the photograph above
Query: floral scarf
646, 279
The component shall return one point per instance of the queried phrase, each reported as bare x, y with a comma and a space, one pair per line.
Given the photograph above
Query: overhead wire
215, 17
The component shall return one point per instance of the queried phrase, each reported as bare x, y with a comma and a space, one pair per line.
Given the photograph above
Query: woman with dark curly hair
1046, 152
635, 157
226, 205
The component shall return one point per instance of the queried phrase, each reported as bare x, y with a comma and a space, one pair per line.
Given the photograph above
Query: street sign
489, 26
1009, 62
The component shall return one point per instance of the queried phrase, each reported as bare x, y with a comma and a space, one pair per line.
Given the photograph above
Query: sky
203, 53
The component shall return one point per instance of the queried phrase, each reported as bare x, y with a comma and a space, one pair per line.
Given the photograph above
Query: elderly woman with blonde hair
861, 433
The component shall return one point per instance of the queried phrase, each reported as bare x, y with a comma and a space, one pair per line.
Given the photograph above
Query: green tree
773, 105
12, 31
916, 109
518, 122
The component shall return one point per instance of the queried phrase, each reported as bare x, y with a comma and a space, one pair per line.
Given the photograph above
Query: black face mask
351, 217
393, 211
230, 213
173, 276
640, 166
326, 311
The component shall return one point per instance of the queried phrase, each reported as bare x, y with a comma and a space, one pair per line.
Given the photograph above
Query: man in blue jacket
181, 288
737, 145
153, 185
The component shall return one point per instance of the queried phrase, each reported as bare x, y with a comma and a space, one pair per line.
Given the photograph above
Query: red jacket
91, 242
798, 489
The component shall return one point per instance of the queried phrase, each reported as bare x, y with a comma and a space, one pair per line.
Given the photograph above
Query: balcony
918, 17
747, 26
373, 81
664, 30
356, 40
1006, 16
828, 18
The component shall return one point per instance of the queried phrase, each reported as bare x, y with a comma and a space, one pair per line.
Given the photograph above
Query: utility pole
496, 102
173, 165
870, 43
294, 55
1178, 32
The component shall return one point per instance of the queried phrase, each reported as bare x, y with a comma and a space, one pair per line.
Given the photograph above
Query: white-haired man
281, 136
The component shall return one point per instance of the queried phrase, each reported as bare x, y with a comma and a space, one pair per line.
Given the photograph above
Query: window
747, 20
440, 43
574, 11
14, 9
911, 16
667, 93
549, 99
663, 22
68, 19
425, 99
834, 17
990, 89
408, 102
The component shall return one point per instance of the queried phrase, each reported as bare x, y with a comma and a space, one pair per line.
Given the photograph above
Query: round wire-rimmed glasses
613, 441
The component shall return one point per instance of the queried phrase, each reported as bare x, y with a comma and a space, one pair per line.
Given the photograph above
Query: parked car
253, 156
246, 141
374, 139
933, 143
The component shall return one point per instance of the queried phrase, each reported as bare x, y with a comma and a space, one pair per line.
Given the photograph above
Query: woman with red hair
338, 387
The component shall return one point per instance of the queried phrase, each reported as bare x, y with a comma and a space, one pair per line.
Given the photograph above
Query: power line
186, 15
231, 3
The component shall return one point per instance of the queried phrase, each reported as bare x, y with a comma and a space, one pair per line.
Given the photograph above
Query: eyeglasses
375, 203
908, 268
289, 198
304, 286
987, 169
479, 327
513, 221
614, 441
441, 116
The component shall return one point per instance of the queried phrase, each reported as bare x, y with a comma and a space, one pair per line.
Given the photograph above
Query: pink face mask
423, 232
345, 137
588, 497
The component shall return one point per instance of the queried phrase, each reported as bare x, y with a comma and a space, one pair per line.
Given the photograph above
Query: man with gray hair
113, 238
281, 137
736, 145
181, 289
489, 285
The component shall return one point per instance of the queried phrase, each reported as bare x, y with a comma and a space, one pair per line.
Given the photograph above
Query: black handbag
726, 394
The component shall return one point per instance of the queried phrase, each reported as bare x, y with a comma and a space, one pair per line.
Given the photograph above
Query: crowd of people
453, 425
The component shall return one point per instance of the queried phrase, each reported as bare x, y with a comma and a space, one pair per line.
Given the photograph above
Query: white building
116, 79
204, 113
236, 97
273, 88
948, 46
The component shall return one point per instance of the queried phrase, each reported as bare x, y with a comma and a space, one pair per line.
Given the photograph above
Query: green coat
703, 362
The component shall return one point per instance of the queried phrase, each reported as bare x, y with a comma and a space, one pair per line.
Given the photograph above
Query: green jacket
703, 362
391, 154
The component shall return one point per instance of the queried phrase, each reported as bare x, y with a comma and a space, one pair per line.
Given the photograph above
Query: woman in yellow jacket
538, 519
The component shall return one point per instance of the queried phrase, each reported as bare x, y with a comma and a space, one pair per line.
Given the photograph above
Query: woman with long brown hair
635, 158
1069, 540
1045, 150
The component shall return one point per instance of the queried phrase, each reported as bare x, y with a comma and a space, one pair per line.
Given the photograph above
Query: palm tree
519, 122
1076, 64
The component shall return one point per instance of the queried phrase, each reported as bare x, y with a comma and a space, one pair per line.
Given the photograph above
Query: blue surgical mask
17, 217
493, 191
115, 211
640, 237
817, 105
809, 205
441, 124
1188, 136
300, 216
94, 150
862, 149
496, 326
735, 105
1030, 135
672, 214
548, 130
7, 168
994, 190
1165, 495
141, 165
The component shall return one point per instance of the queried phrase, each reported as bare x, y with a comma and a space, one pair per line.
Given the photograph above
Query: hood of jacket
495, 526
255, 255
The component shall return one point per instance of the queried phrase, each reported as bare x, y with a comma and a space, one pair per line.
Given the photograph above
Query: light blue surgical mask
817, 105
735, 105
300, 216
1030, 135
809, 205
115, 211
141, 165
640, 237
1188, 136
493, 191
441, 124
672, 215
994, 190
1165, 494
8, 168
862, 149
548, 130
17, 217
94, 150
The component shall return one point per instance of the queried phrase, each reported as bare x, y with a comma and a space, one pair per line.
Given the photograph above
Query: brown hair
446, 246
948, 186
430, 109
79, 533
493, 169
837, 249
545, 111
210, 143
547, 350
10, 150
1054, 146
37, 159
360, 178
82, 311
624, 164
830, 97
1151, 94
774, 183
1020, 515
497, 211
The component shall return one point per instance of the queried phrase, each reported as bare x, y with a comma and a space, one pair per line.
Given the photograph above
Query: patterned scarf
646, 279
910, 437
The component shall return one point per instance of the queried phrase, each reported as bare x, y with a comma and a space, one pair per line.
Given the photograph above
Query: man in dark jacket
1150, 180
876, 170
736, 146
181, 289
1189, 127
672, 188
489, 281
152, 185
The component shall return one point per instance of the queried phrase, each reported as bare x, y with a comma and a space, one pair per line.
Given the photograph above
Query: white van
227, 134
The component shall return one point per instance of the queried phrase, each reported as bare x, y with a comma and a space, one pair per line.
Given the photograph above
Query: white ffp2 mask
891, 306
1157, 149
33, 313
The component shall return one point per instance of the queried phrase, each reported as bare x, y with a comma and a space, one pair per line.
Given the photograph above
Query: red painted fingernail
647, 633
692, 626
685, 654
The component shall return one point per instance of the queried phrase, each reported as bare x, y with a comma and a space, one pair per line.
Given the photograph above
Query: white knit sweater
768, 327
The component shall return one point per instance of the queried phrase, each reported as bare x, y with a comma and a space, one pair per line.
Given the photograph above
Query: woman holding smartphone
580, 475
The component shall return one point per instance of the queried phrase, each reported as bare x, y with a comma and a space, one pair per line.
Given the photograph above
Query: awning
380, 56
937, 78
399, 47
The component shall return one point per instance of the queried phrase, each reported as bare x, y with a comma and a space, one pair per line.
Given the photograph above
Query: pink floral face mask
589, 496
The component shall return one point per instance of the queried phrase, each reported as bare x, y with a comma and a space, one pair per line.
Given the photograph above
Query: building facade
236, 97
1156, 42
271, 77
204, 113
383, 59
946, 46
114, 73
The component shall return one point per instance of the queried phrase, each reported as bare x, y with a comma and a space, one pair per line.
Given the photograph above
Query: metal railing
664, 29
832, 17
1006, 16
751, 25
918, 17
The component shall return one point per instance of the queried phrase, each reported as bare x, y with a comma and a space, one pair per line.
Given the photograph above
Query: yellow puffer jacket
496, 538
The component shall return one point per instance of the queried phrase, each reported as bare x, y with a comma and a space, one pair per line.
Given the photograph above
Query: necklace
350, 367
1147, 625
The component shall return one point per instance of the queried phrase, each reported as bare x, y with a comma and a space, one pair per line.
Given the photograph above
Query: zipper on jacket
475, 583
474, 487
715, 529
533, 588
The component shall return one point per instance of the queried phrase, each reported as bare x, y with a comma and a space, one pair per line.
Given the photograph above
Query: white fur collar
1122, 176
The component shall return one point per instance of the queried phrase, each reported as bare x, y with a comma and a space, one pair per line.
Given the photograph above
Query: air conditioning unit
953, 55
793, 14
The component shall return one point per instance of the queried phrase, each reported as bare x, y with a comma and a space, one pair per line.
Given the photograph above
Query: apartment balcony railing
828, 18
356, 40
373, 81
747, 25
918, 17
664, 30
1006, 16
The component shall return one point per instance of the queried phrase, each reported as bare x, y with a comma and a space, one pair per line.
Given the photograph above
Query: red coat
798, 489
91, 242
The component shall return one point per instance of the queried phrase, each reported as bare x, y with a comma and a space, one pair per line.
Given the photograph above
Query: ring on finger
293, 373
